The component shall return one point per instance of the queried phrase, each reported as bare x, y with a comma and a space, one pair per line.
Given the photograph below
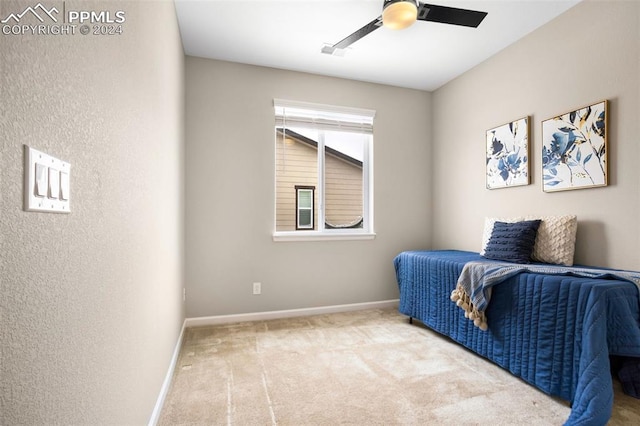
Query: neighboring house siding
296, 164
343, 191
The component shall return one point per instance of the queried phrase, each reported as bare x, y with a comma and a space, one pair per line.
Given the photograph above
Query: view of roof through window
351, 144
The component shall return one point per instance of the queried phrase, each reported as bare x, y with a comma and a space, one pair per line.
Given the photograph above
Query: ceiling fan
399, 14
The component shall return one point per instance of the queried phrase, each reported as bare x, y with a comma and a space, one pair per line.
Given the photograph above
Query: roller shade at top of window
303, 114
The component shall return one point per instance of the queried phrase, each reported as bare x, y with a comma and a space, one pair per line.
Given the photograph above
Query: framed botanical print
508, 154
574, 149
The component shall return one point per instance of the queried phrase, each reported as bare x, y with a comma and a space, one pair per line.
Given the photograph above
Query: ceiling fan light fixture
399, 14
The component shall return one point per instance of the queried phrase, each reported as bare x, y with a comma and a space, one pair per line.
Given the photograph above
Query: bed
556, 332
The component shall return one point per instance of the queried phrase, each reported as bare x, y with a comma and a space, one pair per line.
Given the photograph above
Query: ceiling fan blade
450, 15
352, 38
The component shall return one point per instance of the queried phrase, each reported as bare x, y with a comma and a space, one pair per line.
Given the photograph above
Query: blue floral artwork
574, 150
508, 154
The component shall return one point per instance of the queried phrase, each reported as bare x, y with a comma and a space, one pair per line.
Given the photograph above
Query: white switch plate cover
52, 203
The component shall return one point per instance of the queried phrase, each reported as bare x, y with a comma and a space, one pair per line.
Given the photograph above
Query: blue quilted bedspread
555, 332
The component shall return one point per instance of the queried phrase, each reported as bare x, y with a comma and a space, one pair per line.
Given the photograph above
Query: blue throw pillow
512, 242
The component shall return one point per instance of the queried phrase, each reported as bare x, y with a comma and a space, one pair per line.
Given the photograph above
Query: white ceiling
289, 34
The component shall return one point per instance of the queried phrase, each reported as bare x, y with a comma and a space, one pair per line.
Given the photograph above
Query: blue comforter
555, 332
477, 279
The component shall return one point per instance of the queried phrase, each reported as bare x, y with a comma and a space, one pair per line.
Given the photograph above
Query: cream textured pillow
488, 229
556, 239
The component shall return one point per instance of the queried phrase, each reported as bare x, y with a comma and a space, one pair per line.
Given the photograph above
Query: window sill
322, 236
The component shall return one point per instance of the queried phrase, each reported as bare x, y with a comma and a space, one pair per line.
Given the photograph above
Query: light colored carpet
358, 368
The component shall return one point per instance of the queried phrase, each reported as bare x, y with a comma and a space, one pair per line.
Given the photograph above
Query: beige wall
230, 162
590, 53
90, 302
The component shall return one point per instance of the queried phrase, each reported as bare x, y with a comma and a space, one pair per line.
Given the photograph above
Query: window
324, 178
304, 207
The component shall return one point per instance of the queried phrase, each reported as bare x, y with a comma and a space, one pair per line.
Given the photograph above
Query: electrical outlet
257, 288
184, 294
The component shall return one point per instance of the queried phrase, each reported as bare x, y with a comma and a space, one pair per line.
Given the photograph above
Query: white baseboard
260, 316
155, 415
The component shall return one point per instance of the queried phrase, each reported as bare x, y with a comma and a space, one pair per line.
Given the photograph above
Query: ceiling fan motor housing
399, 14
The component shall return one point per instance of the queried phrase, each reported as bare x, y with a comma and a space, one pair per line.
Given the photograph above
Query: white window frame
328, 117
